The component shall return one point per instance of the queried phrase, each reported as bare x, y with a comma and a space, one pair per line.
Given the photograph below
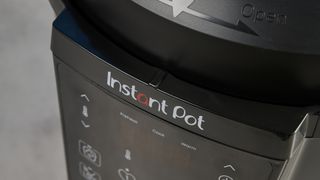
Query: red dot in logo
143, 99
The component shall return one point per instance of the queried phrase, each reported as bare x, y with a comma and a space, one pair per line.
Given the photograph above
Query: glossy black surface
117, 140
260, 128
278, 63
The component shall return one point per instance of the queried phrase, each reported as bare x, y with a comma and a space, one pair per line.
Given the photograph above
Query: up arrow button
229, 167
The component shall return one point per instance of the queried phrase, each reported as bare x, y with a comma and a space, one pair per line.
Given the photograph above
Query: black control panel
124, 119
108, 138
245, 125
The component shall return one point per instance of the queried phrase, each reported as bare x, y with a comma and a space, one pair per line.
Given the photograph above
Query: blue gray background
31, 146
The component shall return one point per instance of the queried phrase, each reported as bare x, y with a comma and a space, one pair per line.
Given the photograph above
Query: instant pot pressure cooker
189, 89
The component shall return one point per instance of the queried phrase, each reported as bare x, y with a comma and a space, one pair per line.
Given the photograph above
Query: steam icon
125, 174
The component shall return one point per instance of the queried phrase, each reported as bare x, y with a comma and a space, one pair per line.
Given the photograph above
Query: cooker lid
267, 51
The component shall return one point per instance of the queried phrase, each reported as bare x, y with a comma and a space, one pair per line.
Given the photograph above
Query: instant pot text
161, 106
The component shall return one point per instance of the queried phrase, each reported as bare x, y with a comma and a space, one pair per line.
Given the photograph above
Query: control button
85, 97
225, 177
88, 173
84, 124
127, 155
89, 153
243, 166
85, 111
229, 167
125, 174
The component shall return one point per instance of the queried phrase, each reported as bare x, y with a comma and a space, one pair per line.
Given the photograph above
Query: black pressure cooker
189, 89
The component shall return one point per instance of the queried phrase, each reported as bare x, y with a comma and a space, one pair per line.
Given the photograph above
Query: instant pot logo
161, 106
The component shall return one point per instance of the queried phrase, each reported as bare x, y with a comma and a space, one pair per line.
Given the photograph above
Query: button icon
89, 153
84, 124
84, 96
128, 155
229, 167
225, 177
85, 111
88, 173
125, 174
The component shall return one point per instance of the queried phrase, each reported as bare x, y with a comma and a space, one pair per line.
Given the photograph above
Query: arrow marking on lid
179, 6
